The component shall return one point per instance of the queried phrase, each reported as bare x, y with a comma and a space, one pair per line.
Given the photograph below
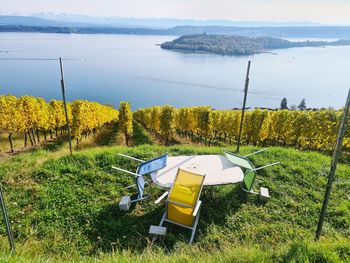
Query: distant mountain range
161, 22
100, 25
47, 19
35, 21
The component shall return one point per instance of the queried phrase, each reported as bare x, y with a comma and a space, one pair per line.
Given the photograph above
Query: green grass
66, 209
141, 136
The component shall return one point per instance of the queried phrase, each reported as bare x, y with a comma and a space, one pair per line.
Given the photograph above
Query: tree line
301, 106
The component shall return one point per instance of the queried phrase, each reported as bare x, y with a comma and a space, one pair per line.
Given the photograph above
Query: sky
319, 11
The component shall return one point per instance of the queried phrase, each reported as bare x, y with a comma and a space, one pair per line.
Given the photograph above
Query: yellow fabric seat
183, 200
181, 215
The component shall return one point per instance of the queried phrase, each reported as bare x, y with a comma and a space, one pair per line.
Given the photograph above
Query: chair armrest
161, 198
125, 171
196, 209
132, 158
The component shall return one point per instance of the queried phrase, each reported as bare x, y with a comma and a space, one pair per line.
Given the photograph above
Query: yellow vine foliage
11, 119
167, 123
88, 116
315, 130
27, 106
28, 113
125, 120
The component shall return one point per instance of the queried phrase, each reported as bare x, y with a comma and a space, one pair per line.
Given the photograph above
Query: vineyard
314, 130
32, 116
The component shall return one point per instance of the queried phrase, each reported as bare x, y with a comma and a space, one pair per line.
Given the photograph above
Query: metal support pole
262, 150
132, 158
7, 222
335, 158
65, 106
265, 166
243, 108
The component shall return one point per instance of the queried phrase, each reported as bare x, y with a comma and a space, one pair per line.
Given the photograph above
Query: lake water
111, 68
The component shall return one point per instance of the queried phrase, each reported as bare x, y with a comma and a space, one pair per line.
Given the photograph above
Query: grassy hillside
66, 209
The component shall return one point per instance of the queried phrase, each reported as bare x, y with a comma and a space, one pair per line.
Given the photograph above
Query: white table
217, 168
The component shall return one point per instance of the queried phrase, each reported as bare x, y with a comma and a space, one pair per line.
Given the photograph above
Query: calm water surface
111, 68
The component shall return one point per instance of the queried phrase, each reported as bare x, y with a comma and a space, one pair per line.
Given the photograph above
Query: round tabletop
217, 168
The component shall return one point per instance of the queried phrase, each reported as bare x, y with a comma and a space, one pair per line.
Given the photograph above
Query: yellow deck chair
183, 204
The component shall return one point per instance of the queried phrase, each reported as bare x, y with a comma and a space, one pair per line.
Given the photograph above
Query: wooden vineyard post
7, 221
243, 108
335, 158
65, 106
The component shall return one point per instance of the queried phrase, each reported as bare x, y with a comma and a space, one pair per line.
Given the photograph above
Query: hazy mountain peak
161, 22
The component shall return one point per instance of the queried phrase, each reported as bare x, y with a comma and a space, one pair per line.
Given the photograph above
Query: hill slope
66, 208
30, 21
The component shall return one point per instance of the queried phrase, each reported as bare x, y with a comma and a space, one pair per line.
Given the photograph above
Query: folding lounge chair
183, 204
250, 172
146, 167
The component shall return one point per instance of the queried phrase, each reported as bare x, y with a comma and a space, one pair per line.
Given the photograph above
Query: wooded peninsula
240, 45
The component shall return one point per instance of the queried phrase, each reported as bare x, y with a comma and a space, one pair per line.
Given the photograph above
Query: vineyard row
316, 130
30, 115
